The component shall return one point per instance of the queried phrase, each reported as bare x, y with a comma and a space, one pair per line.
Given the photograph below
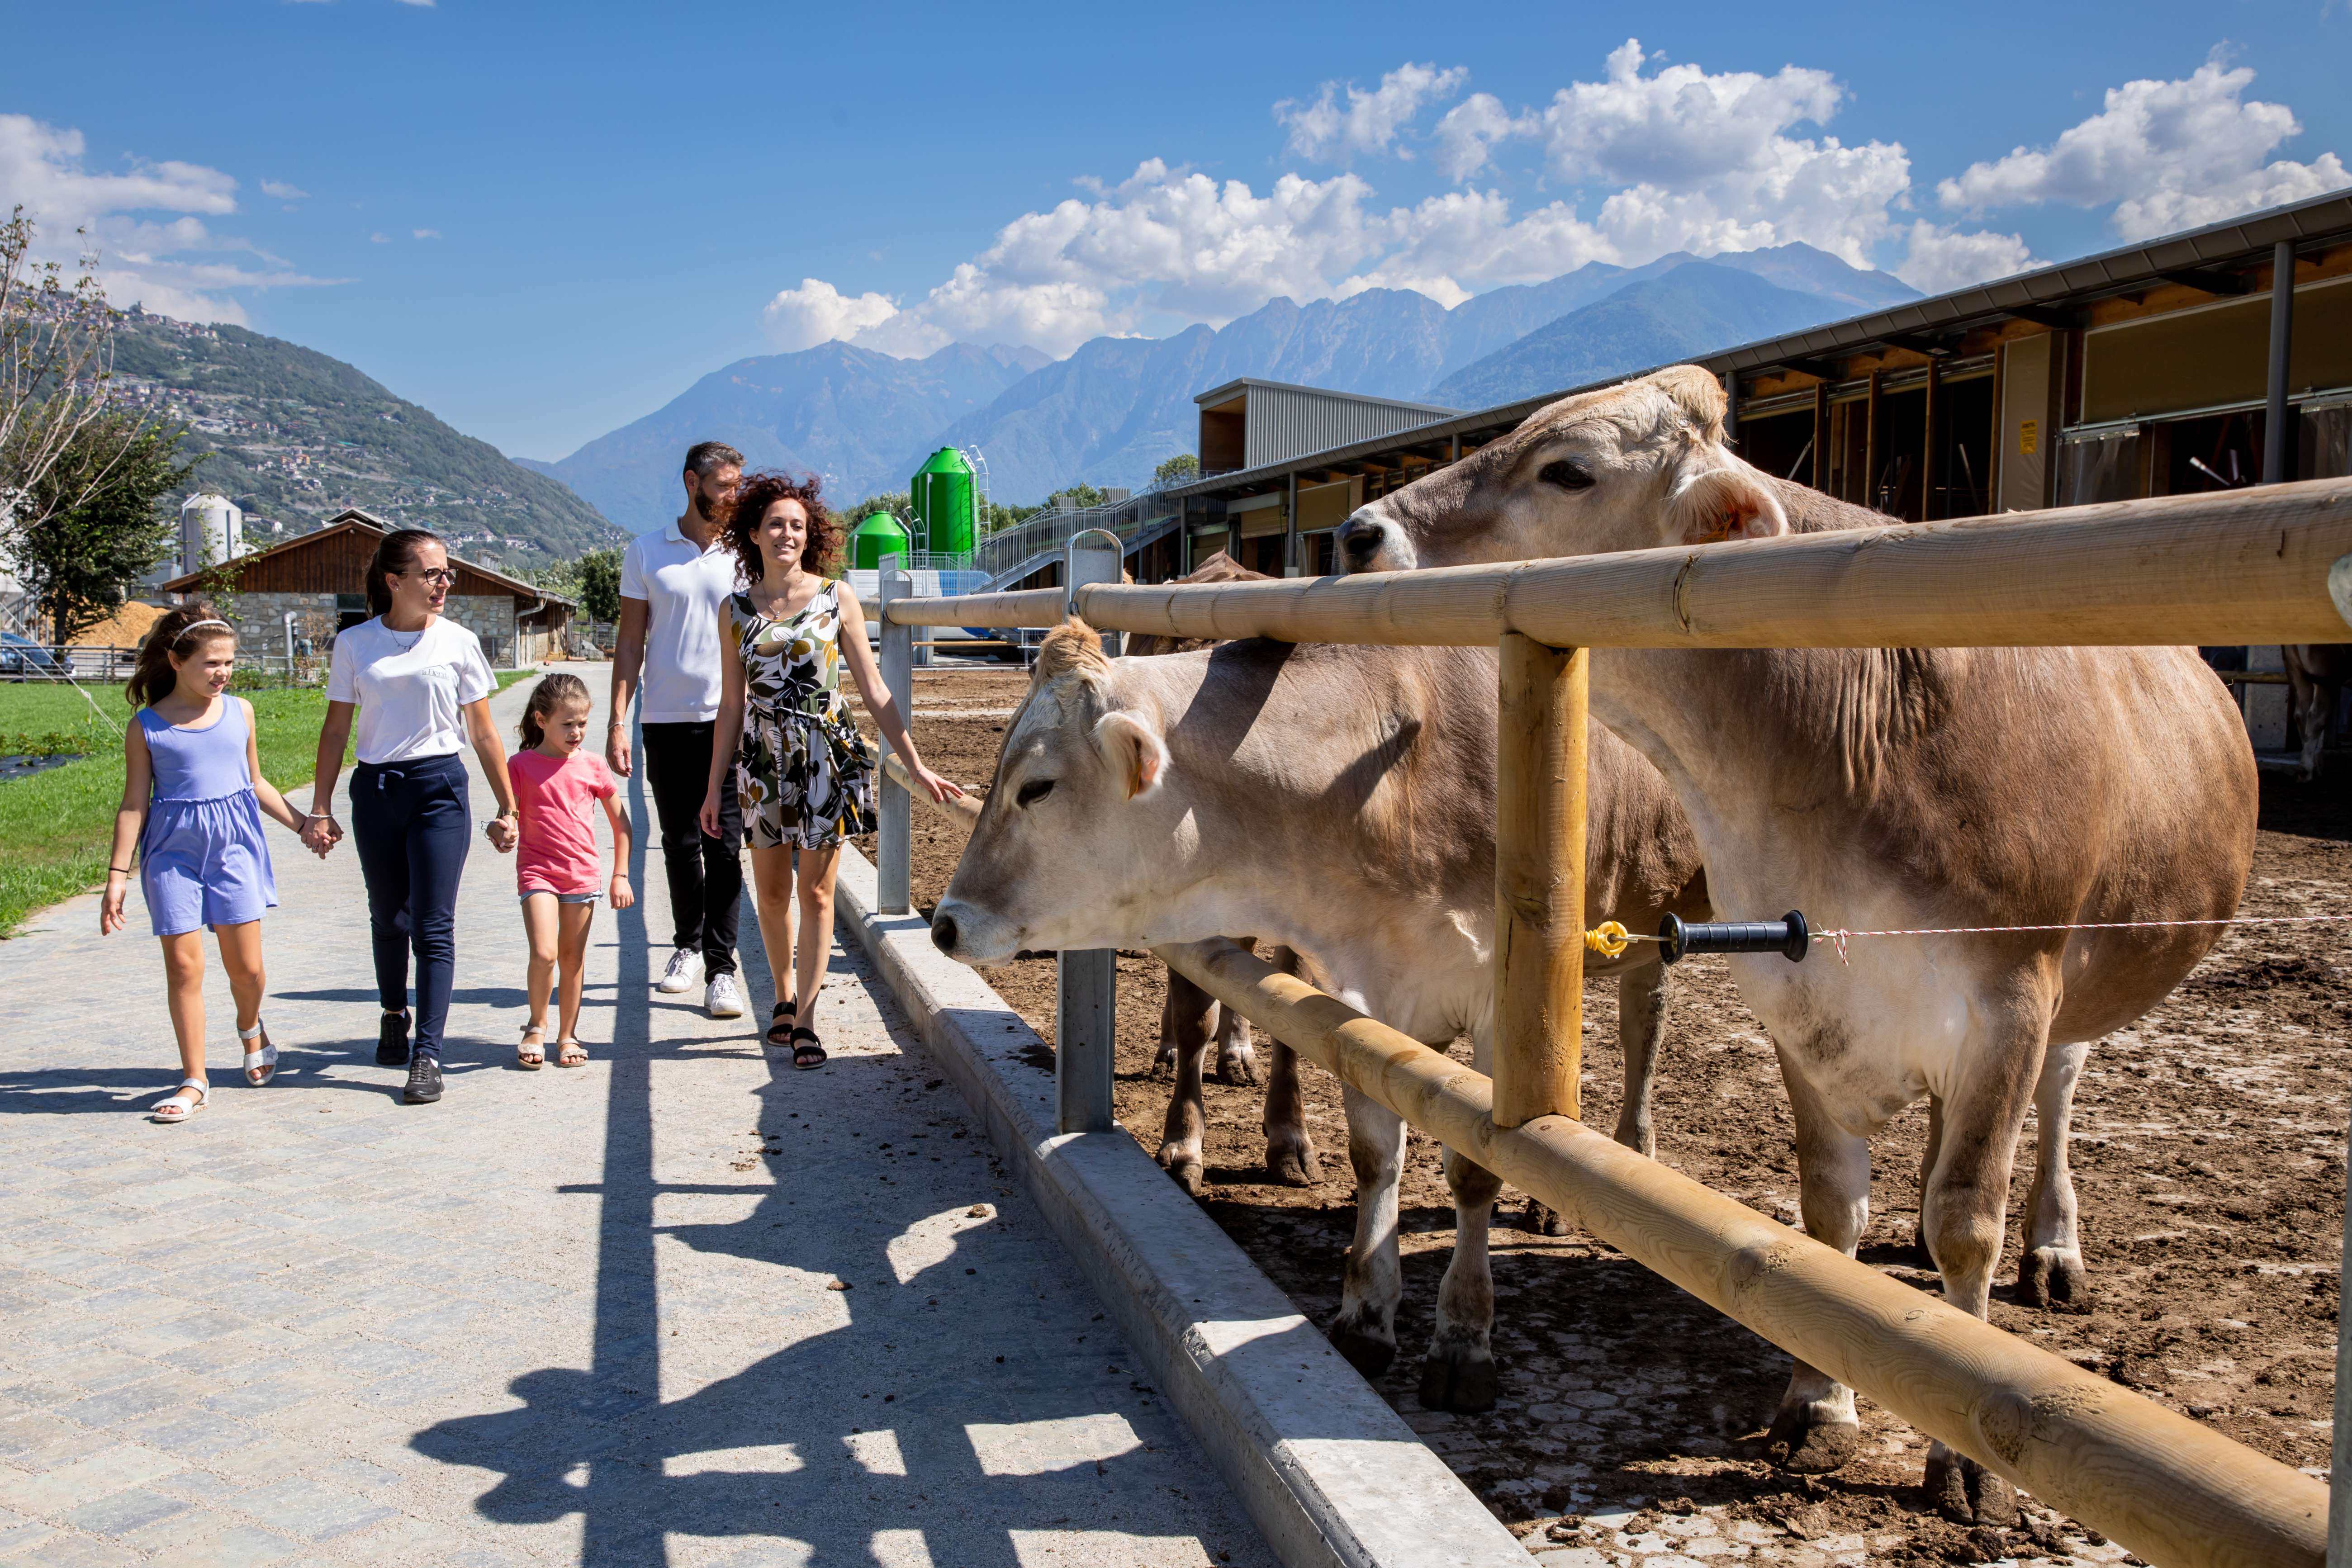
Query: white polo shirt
683, 589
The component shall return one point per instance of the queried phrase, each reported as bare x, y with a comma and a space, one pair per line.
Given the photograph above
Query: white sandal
179, 1107
261, 1066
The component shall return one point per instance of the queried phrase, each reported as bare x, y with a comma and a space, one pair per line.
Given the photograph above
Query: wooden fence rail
2270, 565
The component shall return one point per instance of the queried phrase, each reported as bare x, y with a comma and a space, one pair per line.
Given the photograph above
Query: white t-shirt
409, 685
683, 588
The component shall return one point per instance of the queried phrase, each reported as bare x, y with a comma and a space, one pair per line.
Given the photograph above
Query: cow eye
1568, 475
1032, 792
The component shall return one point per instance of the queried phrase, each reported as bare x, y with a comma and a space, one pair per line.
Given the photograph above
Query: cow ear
1138, 756
1734, 501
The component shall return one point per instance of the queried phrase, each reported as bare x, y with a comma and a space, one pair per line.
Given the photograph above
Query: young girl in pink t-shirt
555, 786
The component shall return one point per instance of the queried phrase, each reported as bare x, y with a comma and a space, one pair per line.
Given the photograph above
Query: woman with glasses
421, 689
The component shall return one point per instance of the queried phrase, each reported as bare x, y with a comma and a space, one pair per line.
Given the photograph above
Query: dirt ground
2208, 1157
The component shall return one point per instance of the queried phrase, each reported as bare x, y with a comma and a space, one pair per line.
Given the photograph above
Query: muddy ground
2208, 1151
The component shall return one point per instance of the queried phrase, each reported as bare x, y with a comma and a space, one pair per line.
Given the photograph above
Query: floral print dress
803, 774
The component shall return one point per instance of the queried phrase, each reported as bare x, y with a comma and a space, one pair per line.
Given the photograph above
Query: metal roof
1224, 393
352, 519
2216, 247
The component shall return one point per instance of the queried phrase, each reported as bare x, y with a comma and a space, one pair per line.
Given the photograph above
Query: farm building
319, 578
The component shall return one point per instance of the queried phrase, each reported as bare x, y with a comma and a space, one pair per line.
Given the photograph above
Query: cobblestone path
682, 1306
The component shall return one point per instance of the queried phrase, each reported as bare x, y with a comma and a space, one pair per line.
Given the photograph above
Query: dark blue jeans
413, 823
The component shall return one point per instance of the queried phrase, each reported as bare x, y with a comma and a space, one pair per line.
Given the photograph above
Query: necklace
414, 638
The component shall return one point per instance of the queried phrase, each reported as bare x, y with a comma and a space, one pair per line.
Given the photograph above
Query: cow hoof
1460, 1378
1966, 1492
2053, 1276
1293, 1167
1185, 1166
1237, 1070
1805, 1447
1365, 1351
1165, 1064
1541, 1220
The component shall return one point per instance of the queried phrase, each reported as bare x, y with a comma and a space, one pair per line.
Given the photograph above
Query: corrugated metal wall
1281, 424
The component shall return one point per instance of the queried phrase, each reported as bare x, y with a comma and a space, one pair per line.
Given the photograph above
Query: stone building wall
261, 621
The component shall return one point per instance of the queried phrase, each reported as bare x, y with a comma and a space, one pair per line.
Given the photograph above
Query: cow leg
1459, 1373
1291, 1158
1188, 1019
1163, 1063
1816, 1430
2313, 705
1965, 1207
1236, 1061
1641, 1025
2051, 1268
1365, 1330
1926, 1172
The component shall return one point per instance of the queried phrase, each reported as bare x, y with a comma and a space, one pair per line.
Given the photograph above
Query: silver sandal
261, 1066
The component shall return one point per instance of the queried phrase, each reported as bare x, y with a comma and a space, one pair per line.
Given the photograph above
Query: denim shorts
587, 898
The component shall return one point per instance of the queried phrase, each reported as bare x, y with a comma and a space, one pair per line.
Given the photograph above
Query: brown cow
1878, 788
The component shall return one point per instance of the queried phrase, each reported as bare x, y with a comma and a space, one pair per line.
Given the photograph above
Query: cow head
1639, 464
1078, 829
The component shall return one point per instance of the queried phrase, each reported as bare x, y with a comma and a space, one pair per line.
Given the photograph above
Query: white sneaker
685, 969
722, 1000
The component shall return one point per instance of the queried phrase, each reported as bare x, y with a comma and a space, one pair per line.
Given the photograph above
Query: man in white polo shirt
673, 581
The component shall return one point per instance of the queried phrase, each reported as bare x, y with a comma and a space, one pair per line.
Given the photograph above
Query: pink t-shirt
557, 798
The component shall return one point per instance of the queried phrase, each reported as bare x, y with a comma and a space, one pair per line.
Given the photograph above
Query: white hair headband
197, 627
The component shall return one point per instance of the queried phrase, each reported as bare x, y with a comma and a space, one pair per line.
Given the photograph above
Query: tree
1180, 469
999, 516
1078, 495
55, 357
600, 583
896, 502
97, 520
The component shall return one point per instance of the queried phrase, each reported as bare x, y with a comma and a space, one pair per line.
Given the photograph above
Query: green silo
878, 535
946, 510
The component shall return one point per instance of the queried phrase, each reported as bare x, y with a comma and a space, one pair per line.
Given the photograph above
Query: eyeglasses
439, 576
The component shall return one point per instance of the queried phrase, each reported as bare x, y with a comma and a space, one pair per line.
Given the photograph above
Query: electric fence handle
1787, 936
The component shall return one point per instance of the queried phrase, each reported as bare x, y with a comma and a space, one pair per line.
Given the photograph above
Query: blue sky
542, 221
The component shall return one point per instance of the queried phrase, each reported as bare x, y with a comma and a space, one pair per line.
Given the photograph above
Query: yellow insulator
1608, 939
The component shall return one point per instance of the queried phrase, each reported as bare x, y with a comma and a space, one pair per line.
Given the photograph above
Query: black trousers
412, 824
705, 874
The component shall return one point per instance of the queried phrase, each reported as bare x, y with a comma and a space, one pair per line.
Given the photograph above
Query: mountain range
293, 437
1117, 407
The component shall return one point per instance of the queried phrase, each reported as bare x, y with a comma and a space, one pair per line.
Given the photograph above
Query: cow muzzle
1371, 543
970, 935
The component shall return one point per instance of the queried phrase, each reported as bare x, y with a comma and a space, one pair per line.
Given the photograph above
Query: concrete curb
1330, 1475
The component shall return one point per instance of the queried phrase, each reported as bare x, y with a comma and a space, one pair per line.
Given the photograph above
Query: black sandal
777, 1020
811, 1055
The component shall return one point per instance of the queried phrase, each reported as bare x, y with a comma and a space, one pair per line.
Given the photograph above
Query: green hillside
297, 436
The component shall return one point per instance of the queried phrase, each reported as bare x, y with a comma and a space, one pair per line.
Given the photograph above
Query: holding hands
320, 832
503, 831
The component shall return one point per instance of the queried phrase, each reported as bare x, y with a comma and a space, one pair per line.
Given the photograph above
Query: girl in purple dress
193, 800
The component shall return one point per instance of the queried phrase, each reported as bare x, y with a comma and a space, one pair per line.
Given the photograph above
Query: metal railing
2248, 566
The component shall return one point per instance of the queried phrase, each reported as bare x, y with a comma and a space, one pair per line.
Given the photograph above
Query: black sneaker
391, 1041
424, 1080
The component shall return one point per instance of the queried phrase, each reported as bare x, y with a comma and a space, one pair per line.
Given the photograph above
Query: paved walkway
682, 1306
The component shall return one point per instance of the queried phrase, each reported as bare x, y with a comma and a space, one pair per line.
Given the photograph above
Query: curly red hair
755, 495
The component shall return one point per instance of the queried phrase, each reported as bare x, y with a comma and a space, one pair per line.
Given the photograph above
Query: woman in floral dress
802, 773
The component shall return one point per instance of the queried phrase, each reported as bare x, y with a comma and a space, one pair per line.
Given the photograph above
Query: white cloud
817, 312
2170, 154
379, 237
280, 190
1368, 122
155, 262
425, 233
1940, 259
1467, 136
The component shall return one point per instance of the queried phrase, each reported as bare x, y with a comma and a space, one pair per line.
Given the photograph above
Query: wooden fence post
1539, 879
893, 879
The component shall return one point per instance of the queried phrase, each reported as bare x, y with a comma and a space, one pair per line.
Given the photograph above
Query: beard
704, 507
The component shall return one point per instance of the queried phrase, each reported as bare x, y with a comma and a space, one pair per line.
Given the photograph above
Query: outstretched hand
938, 788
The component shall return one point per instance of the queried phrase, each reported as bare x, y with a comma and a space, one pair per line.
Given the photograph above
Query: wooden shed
320, 580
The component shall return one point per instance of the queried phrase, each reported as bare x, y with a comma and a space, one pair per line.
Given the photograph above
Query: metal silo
876, 537
946, 504
212, 532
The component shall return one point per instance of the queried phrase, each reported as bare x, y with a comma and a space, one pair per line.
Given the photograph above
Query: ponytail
176, 631
396, 553
546, 699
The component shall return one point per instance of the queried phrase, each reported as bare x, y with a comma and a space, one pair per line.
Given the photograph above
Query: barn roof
351, 519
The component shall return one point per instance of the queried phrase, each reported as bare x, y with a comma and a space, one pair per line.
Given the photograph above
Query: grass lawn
58, 825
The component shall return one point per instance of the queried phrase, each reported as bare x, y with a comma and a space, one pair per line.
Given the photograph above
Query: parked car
22, 658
